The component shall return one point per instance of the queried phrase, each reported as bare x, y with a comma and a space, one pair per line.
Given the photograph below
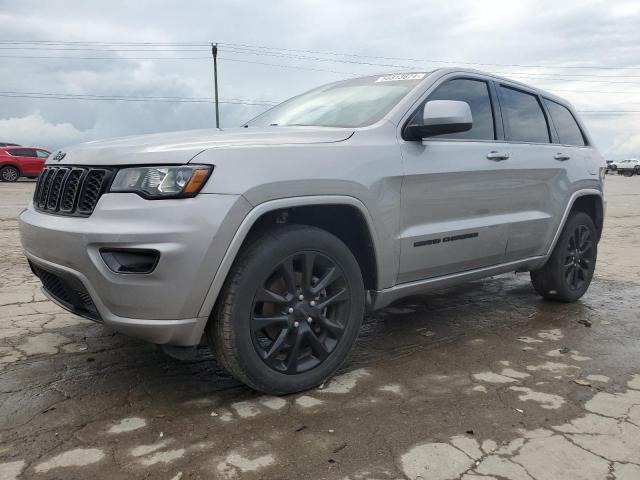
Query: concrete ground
477, 382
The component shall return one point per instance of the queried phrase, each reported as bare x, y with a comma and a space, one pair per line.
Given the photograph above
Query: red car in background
16, 162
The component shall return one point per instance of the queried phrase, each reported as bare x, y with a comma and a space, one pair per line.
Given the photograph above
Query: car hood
181, 147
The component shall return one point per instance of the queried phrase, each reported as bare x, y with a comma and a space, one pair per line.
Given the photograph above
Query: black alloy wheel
290, 310
300, 312
579, 258
568, 272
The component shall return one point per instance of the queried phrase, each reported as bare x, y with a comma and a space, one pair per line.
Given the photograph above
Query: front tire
9, 174
290, 310
568, 272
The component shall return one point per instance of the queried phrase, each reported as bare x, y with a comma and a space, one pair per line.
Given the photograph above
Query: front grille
55, 188
91, 191
68, 291
68, 198
70, 190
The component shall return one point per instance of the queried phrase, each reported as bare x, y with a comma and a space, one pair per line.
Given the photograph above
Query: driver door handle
561, 157
498, 156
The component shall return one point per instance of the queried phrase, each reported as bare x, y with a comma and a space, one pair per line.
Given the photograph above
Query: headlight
162, 181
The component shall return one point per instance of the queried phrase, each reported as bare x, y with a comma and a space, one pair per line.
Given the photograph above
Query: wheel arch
354, 226
593, 206
589, 201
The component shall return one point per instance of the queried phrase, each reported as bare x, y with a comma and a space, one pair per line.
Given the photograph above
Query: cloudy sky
111, 68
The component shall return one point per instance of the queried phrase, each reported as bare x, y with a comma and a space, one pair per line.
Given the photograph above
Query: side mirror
440, 117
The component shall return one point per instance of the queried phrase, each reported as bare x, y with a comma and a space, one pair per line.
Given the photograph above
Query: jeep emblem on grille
59, 156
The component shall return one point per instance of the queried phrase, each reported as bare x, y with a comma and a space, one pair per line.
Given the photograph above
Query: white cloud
626, 9
34, 130
629, 146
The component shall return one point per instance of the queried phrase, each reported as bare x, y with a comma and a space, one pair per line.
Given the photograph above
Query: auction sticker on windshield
401, 76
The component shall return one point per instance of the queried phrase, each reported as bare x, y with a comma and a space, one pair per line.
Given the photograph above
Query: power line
222, 58
48, 97
412, 67
28, 57
573, 75
300, 67
294, 67
542, 76
91, 49
574, 80
614, 112
254, 47
59, 42
624, 92
231, 50
129, 99
155, 97
118, 50
266, 51
454, 62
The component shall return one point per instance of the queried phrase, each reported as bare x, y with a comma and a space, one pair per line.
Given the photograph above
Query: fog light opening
130, 260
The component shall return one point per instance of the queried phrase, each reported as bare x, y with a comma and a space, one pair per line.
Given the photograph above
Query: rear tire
290, 310
568, 272
9, 174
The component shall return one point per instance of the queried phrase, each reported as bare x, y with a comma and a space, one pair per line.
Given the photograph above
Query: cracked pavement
482, 381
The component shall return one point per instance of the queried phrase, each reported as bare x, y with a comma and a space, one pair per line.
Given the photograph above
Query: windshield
350, 103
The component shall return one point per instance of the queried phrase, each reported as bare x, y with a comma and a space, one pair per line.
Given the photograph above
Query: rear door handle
498, 156
561, 157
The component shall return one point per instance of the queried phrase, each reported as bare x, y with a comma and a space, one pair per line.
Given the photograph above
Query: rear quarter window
569, 132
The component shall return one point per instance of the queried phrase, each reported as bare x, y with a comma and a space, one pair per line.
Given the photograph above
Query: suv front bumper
162, 307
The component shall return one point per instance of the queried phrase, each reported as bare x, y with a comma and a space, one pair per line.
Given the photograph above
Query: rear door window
569, 132
523, 116
42, 154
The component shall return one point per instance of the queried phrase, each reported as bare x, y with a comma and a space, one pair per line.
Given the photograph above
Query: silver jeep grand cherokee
272, 238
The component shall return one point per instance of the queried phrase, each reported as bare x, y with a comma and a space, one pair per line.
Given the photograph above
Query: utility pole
214, 52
